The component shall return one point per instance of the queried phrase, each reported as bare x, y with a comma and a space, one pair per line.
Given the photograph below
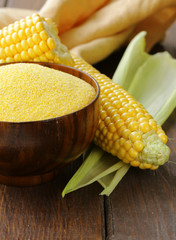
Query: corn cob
32, 39
125, 128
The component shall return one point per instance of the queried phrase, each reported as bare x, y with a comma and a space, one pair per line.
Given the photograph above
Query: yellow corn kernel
9, 59
24, 56
138, 146
121, 130
43, 35
24, 45
35, 18
111, 127
16, 26
153, 167
36, 59
21, 34
13, 49
133, 153
102, 125
104, 131
2, 53
135, 163
33, 29
122, 141
125, 116
147, 165
134, 125
8, 39
10, 29
37, 50
57, 60
17, 57
39, 26
140, 115
106, 105
3, 42
29, 23
107, 121
163, 137
116, 103
43, 46
115, 136
15, 37
19, 47
128, 158
116, 145
144, 127
4, 31
126, 132
36, 38
49, 55
132, 112
7, 51
122, 110
109, 135
134, 136
115, 117
130, 119
119, 123
31, 53
142, 166
51, 43
127, 145
103, 114
2, 60
28, 32
122, 152
22, 24
30, 42
43, 58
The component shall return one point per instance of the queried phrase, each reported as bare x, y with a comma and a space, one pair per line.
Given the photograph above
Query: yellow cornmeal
30, 92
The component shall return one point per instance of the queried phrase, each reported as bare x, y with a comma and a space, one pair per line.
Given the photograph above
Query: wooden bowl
33, 152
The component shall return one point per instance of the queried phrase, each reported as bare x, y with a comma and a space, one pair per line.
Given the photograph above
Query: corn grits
30, 92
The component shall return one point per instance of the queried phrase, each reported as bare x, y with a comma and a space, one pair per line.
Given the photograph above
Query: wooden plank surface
142, 207
40, 212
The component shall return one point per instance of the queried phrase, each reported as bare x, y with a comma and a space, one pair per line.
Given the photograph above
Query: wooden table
142, 207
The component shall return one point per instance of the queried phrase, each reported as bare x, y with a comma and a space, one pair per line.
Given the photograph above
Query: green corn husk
102, 164
151, 80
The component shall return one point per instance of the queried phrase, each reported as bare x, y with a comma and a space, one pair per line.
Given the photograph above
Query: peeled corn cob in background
32, 39
125, 129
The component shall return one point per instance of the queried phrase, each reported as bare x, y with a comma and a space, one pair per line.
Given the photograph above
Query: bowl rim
60, 117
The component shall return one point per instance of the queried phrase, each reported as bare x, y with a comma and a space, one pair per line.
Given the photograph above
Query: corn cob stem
125, 128
155, 151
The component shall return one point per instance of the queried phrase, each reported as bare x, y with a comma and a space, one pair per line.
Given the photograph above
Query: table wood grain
142, 207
